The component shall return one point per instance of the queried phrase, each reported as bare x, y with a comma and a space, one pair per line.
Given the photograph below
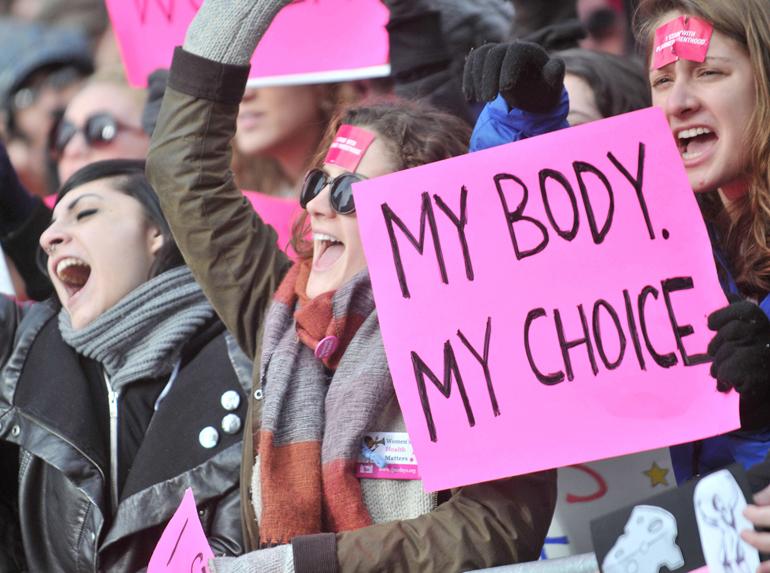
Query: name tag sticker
387, 455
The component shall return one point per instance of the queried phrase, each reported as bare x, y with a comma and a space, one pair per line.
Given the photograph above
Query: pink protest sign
183, 545
544, 303
310, 41
277, 212
685, 37
348, 147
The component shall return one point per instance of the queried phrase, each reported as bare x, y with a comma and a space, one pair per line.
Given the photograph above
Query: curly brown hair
414, 133
746, 229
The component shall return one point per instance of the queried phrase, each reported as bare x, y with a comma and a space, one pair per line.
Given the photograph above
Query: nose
53, 237
681, 100
76, 147
320, 206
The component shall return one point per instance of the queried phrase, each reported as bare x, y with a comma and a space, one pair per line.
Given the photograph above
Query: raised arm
231, 251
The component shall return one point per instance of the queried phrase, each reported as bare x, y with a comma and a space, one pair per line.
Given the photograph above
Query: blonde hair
746, 230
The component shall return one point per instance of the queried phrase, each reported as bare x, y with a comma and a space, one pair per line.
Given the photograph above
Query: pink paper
310, 41
277, 212
349, 145
685, 37
509, 422
183, 545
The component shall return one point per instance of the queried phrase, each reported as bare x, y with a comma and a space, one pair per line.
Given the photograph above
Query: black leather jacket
66, 523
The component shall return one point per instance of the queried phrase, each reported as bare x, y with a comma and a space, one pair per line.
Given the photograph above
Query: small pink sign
310, 41
349, 146
685, 37
183, 545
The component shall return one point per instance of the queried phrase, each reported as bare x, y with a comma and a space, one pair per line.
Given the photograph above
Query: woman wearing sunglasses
122, 391
103, 121
322, 384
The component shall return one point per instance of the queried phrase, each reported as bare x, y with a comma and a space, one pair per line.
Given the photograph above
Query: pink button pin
326, 347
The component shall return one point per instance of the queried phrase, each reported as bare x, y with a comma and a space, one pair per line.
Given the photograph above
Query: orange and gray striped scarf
315, 412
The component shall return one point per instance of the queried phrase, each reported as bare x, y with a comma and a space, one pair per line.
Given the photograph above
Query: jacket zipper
112, 401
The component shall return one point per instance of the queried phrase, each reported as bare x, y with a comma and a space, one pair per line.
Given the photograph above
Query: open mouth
328, 251
73, 274
695, 141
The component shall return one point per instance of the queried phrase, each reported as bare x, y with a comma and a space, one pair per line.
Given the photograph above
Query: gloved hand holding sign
522, 72
741, 349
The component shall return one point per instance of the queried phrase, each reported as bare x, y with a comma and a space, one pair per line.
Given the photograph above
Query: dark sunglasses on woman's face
99, 129
340, 190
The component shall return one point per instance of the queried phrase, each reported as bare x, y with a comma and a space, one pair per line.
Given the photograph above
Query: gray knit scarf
143, 334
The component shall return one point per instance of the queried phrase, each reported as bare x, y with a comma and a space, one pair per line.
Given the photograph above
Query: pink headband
685, 37
349, 146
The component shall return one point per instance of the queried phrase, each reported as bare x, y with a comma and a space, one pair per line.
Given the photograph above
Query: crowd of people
159, 338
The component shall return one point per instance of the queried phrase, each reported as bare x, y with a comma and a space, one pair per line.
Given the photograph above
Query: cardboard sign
685, 37
183, 545
310, 41
543, 294
591, 490
691, 528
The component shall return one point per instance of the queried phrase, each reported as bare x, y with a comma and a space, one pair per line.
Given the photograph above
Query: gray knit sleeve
227, 31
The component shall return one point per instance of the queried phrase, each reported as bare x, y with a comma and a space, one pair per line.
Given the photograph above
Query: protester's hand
759, 515
522, 72
741, 348
228, 31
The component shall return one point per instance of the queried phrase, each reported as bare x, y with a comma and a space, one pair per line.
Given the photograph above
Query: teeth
70, 262
323, 237
693, 132
690, 155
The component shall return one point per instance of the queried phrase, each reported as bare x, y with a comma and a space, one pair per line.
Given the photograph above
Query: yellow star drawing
657, 475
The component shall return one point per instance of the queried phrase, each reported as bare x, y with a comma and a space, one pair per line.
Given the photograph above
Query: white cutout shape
719, 505
647, 544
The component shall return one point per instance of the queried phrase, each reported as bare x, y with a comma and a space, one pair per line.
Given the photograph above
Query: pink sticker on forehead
685, 37
349, 146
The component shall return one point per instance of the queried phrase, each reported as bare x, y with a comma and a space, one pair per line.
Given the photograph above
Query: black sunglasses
99, 129
340, 190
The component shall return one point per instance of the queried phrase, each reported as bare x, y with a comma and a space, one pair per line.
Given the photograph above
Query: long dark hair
127, 176
619, 84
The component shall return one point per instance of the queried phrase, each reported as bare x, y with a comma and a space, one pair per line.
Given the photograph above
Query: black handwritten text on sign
554, 287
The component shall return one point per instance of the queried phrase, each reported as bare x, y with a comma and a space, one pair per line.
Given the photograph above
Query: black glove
522, 72
741, 349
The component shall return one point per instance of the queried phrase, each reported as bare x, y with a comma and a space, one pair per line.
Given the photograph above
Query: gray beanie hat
28, 47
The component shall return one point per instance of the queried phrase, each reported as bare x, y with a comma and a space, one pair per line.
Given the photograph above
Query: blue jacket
497, 124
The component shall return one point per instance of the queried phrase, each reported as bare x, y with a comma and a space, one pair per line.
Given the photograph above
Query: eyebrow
718, 58
72, 205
